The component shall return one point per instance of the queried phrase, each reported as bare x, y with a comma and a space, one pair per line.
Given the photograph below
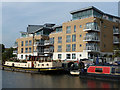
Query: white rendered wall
83, 55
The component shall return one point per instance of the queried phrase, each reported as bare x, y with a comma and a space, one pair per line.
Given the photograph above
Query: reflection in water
27, 80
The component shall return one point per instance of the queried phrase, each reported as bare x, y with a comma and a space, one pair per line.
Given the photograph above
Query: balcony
92, 28
116, 31
48, 50
38, 44
94, 38
92, 48
48, 42
15, 52
116, 41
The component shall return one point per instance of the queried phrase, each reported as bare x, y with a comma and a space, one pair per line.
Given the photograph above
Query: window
22, 43
104, 26
80, 26
92, 25
73, 38
68, 29
68, 56
73, 47
59, 48
26, 50
80, 35
30, 42
59, 56
68, 38
26, 43
59, 29
21, 56
80, 55
74, 28
104, 45
30, 50
68, 47
21, 50
80, 45
74, 56
52, 40
98, 70
59, 39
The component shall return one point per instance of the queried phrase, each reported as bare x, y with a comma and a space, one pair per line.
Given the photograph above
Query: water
27, 80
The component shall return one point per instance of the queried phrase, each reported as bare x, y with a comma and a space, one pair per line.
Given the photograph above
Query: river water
27, 80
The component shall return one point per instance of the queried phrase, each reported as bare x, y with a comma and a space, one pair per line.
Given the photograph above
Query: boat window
98, 70
42, 64
113, 70
47, 64
38, 64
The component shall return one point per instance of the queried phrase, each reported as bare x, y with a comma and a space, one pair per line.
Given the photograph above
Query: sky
16, 16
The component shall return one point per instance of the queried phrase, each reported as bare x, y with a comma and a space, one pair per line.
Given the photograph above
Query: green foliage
7, 54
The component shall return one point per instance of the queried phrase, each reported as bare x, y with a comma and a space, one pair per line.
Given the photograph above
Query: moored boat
34, 64
102, 72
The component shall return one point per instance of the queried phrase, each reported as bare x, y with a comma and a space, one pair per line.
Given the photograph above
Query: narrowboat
34, 64
102, 72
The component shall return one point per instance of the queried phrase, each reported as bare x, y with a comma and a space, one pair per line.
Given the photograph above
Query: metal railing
91, 28
91, 38
92, 48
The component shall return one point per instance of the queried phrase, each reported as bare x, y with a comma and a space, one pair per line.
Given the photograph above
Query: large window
52, 40
59, 39
74, 28
39, 33
59, 29
73, 38
21, 50
92, 25
68, 29
59, 56
30, 42
68, 38
26, 50
26, 43
68, 56
83, 14
59, 48
68, 47
73, 56
22, 43
30, 50
73, 47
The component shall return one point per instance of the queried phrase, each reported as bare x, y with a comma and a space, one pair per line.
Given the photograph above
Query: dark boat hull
33, 70
108, 77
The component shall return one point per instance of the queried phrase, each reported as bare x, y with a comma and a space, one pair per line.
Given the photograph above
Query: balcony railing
91, 28
91, 38
48, 50
92, 48
48, 42
38, 44
15, 52
116, 41
116, 31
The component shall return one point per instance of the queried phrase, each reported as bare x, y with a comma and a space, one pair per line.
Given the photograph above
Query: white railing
91, 28
48, 50
91, 38
48, 42
92, 48
116, 31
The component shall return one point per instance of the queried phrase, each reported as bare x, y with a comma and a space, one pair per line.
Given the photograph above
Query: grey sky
16, 16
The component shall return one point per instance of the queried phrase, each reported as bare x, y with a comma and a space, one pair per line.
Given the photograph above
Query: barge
102, 72
34, 64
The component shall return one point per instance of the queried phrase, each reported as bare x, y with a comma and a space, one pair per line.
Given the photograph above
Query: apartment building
34, 42
91, 33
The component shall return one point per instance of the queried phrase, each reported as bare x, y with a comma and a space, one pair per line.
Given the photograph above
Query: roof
92, 7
